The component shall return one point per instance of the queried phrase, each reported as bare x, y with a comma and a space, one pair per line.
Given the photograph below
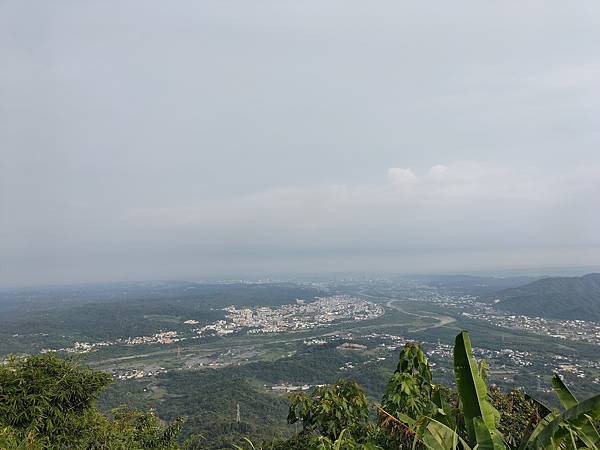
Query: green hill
556, 297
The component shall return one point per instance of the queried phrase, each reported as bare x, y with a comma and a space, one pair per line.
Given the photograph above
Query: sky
218, 138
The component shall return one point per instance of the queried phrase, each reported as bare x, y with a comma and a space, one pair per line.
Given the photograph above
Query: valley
255, 343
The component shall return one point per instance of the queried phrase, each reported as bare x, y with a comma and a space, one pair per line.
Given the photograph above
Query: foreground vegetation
414, 413
47, 402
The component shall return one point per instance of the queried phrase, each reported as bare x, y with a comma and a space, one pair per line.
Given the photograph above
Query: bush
49, 402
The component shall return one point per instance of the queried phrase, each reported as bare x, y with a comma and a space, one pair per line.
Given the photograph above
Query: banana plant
481, 418
573, 428
428, 432
567, 428
588, 432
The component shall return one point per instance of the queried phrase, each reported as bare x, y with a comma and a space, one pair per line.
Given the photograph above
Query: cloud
298, 128
454, 216
459, 205
402, 177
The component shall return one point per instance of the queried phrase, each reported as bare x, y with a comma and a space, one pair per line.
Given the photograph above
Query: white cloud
402, 177
456, 216
460, 205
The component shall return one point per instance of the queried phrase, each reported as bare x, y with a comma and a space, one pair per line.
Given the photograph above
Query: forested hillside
556, 297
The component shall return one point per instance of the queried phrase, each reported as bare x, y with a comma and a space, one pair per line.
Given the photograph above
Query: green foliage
434, 435
49, 402
568, 429
519, 414
12, 439
573, 428
209, 398
481, 418
47, 396
587, 432
344, 442
331, 410
409, 390
409, 393
565, 396
144, 429
416, 414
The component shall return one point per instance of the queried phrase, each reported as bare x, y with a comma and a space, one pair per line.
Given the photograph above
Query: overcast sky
190, 139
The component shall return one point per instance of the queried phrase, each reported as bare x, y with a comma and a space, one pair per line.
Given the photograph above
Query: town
302, 315
470, 306
295, 317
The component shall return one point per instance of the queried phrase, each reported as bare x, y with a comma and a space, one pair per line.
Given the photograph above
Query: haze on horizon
154, 139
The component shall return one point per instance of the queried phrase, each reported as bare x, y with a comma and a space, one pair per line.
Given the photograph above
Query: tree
415, 413
410, 388
49, 402
332, 410
479, 422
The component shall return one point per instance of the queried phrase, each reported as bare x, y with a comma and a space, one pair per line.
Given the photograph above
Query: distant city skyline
213, 139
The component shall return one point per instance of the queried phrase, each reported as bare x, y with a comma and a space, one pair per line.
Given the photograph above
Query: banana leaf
434, 435
526, 442
485, 439
573, 420
566, 398
587, 432
473, 391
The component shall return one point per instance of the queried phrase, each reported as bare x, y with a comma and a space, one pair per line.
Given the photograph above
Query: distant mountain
476, 285
555, 297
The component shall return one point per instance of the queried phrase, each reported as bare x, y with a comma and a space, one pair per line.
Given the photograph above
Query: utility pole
238, 414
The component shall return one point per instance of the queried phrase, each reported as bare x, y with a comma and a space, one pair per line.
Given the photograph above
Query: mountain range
555, 297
